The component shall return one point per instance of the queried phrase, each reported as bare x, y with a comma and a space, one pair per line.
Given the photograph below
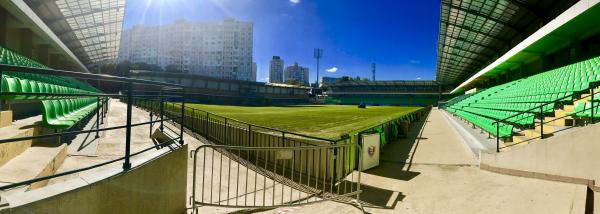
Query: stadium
508, 125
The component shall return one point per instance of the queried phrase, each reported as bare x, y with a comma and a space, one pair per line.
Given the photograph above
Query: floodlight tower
318, 54
373, 70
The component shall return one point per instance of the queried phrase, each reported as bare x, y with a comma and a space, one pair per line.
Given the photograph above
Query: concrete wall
569, 157
152, 186
10, 150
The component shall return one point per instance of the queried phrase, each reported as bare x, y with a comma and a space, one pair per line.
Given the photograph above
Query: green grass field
327, 121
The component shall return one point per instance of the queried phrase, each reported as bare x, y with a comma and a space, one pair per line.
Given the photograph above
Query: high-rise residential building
253, 78
216, 49
296, 73
276, 70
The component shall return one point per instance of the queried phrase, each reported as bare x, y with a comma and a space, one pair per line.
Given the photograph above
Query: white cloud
418, 78
295, 1
414, 61
332, 70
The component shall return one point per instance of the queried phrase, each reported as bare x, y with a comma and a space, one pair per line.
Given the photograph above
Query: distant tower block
373, 70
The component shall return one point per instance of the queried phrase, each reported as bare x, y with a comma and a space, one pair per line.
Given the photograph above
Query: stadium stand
397, 92
58, 111
523, 99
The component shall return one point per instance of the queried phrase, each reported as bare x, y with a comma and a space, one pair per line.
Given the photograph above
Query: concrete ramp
570, 157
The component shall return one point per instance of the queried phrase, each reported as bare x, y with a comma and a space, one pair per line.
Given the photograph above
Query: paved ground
435, 173
111, 145
431, 172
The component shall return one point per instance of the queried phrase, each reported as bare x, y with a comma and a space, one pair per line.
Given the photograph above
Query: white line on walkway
474, 145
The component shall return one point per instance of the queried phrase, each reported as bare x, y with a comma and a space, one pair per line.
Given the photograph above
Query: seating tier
59, 110
64, 113
526, 97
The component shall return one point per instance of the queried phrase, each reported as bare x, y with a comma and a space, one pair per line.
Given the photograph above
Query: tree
123, 68
345, 79
173, 68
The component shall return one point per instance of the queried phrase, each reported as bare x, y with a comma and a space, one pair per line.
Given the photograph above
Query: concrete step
531, 133
37, 161
517, 141
560, 113
565, 121
548, 128
18, 129
569, 108
6, 118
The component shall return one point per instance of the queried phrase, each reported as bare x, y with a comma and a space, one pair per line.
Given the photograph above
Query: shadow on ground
395, 163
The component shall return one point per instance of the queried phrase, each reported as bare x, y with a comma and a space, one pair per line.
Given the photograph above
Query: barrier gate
271, 177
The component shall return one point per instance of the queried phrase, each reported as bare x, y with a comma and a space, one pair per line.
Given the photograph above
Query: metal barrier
391, 130
309, 167
222, 130
270, 177
102, 110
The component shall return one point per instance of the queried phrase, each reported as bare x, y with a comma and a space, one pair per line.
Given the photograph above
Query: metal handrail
529, 110
277, 176
104, 108
542, 122
27, 182
102, 77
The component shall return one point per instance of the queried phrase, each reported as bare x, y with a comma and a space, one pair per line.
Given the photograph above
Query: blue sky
400, 36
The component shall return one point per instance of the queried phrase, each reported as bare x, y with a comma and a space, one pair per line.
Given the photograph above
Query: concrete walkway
434, 172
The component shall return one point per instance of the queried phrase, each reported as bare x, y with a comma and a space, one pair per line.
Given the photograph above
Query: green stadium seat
526, 95
65, 113
56, 114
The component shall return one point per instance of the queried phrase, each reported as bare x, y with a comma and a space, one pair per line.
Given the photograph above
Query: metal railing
223, 130
269, 177
101, 112
542, 115
256, 148
390, 130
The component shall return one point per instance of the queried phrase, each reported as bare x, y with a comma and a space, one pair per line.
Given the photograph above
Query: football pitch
327, 121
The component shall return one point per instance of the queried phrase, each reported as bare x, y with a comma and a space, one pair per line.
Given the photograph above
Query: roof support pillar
543, 62
3, 26
521, 70
576, 51
42, 54
54, 60
26, 43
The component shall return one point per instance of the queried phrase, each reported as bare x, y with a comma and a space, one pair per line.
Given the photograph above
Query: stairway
28, 159
555, 123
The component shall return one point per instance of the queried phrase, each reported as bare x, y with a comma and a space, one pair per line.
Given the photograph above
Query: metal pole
182, 116
226, 131
334, 171
151, 124
497, 136
592, 119
249, 134
97, 117
283, 138
206, 126
193, 116
1, 75
127, 164
318, 53
541, 122
102, 111
162, 110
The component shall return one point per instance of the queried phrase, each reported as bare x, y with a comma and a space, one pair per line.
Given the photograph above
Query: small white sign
284, 155
370, 150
